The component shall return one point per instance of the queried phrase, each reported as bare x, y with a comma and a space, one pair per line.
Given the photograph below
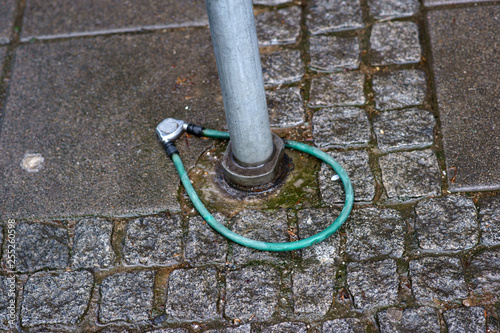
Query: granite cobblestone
395, 43
313, 288
381, 9
399, 89
285, 106
328, 16
282, 67
395, 320
277, 27
332, 54
489, 215
338, 89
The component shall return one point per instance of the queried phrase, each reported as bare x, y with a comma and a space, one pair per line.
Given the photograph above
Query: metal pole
234, 38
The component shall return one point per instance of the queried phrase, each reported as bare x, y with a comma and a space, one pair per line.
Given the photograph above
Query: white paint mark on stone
32, 162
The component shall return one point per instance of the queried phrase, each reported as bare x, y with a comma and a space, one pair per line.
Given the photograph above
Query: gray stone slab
90, 108
395, 43
347, 325
56, 298
204, 245
192, 295
468, 320
240, 329
394, 320
286, 327
446, 224
7, 10
280, 26
7, 301
438, 279
404, 129
338, 89
270, 2
282, 67
356, 164
431, 3
330, 53
117, 292
485, 268
381, 9
409, 175
285, 107
399, 89
342, 127
466, 81
59, 18
373, 284
327, 16
489, 216
313, 288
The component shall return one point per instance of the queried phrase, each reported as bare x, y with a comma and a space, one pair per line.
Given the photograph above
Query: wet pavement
401, 93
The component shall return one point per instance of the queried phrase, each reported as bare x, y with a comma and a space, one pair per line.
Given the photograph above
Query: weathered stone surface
467, 94
40, 246
282, 67
446, 224
7, 298
380, 9
270, 2
3, 51
170, 330
373, 284
92, 244
268, 226
192, 295
485, 269
7, 9
240, 329
286, 327
280, 26
395, 43
252, 292
398, 89
374, 232
126, 297
404, 129
313, 288
153, 241
356, 164
101, 89
327, 16
410, 175
341, 127
430, 3
489, 215
312, 221
347, 325
330, 53
285, 107
470, 320
204, 245
56, 18
440, 278
338, 89
424, 320
56, 298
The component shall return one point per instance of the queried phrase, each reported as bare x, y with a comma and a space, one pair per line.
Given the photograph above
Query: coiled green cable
265, 246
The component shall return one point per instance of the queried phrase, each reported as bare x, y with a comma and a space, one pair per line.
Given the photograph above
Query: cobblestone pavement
352, 77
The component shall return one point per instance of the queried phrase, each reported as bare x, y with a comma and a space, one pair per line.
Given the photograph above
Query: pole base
248, 177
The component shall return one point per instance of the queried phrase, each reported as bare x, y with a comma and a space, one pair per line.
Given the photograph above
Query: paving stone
285, 106
398, 89
270, 2
286, 327
240, 329
268, 226
282, 67
341, 127
467, 320
431, 3
7, 298
466, 67
423, 320
356, 164
153, 241
373, 284
170, 330
192, 295
345, 325
126, 297
328, 16
280, 26
409, 175
7, 10
395, 43
40, 246
338, 89
204, 245
330, 53
404, 129
312, 221
489, 215
381, 9
485, 269
440, 278
374, 232
252, 292
92, 244
313, 288
56, 298
57, 18
446, 224
94, 88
